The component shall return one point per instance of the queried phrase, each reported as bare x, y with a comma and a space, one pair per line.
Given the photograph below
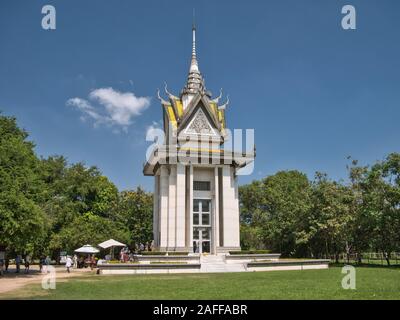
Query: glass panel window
205, 219
201, 185
205, 246
196, 207
205, 205
196, 219
196, 234
206, 234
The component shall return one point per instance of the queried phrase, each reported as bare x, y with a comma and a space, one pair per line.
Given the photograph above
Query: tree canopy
48, 205
288, 213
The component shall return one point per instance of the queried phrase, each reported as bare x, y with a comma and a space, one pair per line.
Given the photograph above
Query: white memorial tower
196, 204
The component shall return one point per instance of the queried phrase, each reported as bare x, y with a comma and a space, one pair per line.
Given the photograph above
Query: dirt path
12, 281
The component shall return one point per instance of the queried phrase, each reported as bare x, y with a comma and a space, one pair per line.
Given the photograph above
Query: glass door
201, 225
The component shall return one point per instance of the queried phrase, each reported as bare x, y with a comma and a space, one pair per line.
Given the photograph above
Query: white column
216, 211
180, 206
231, 209
172, 209
156, 213
191, 208
164, 188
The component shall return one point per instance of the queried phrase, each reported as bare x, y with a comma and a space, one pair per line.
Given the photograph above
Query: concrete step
218, 264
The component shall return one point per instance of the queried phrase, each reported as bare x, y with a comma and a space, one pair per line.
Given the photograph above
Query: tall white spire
195, 82
194, 67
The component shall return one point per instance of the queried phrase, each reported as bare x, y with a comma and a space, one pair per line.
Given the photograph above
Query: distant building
196, 204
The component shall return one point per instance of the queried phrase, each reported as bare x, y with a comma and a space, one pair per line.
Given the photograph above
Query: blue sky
313, 92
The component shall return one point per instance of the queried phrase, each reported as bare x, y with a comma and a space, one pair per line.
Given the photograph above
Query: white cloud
113, 108
154, 132
152, 129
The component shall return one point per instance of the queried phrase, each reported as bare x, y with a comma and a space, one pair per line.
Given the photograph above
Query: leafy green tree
285, 202
382, 204
74, 191
22, 222
360, 228
330, 217
135, 210
88, 229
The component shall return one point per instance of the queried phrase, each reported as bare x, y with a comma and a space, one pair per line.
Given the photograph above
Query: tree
330, 217
74, 191
281, 203
88, 229
22, 222
382, 204
135, 210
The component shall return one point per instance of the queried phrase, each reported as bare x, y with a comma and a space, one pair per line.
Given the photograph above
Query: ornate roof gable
199, 101
200, 124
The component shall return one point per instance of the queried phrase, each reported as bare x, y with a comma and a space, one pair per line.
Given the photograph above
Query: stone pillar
164, 189
156, 213
191, 208
180, 208
231, 211
172, 209
215, 225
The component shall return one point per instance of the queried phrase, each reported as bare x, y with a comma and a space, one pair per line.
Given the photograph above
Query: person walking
68, 263
27, 263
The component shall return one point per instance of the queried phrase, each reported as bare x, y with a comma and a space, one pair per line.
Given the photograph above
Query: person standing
2, 257
75, 259
6, 264
68, 263
46, 264
41, 262
18, 263
92, 262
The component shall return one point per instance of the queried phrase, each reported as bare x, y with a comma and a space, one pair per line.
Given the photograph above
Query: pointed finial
223, 107
167, 92
219, 97
159, 97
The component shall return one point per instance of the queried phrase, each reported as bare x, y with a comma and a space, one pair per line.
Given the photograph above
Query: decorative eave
169, 155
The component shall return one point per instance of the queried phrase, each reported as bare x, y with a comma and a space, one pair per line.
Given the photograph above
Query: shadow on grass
364, 265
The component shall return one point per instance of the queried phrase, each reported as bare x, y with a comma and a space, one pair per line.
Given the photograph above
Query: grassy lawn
372, 283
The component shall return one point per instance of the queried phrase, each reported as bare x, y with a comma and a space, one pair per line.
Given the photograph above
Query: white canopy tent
111, 244
87, 248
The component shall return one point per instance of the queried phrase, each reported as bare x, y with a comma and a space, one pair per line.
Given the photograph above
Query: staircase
216, 263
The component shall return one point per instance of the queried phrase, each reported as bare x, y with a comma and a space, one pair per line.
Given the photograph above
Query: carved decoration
200, 124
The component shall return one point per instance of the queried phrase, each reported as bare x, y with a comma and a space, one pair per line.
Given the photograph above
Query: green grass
372, 283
